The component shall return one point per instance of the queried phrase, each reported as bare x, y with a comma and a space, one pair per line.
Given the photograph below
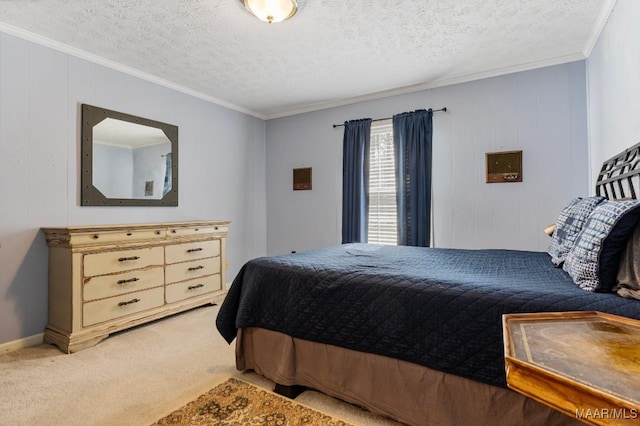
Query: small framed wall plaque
302, 179
503, 167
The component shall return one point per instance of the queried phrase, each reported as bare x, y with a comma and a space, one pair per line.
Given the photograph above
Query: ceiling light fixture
271, 10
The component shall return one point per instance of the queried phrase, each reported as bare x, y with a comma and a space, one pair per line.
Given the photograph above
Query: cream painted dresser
103, 279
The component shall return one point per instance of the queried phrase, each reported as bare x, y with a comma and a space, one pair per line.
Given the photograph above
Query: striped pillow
594, 259
570, 222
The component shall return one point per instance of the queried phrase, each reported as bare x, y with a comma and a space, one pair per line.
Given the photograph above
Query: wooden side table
584, 364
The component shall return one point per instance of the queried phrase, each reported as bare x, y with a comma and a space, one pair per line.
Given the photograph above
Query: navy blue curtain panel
412, 143
355, 180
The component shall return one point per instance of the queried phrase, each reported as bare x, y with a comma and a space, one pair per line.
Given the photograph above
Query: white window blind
383, 224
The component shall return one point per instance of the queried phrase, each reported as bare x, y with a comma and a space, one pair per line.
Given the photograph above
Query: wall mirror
127, 160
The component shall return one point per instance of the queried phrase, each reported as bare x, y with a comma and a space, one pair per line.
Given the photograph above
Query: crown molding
44, 41
598, 27
82, 54
429, 85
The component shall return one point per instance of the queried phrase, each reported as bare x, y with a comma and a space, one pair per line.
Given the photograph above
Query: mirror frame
89, 194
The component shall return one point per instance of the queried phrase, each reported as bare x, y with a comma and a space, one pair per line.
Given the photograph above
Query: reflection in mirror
127, 160
131, 160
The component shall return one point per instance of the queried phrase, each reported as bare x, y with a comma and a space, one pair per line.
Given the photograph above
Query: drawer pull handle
173, 231
124, 259
129, 234
130, 280
128, 302
96, 236
193, 287
216, 228
195, 249
195, 268
157, 232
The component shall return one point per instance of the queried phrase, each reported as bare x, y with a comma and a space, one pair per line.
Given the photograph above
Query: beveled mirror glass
127, 160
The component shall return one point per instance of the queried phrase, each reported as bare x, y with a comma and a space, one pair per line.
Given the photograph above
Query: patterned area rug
235, 402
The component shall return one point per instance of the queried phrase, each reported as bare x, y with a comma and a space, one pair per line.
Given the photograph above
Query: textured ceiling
330, 53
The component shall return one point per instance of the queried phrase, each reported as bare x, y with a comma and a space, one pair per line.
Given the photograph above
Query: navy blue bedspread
440, 308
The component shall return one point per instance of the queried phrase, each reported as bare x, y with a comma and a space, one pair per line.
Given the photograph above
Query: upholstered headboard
619, 177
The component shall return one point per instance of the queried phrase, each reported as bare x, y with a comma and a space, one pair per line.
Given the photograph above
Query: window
383, 223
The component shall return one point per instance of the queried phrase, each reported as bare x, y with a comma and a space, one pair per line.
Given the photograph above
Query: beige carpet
134, 377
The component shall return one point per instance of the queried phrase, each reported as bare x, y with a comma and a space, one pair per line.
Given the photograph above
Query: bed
412, 333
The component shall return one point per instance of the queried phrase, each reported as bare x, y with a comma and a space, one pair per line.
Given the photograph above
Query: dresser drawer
122, 260
196, 230
191, 288
120, 236
104, 286
188, 251
116, 307
188, 270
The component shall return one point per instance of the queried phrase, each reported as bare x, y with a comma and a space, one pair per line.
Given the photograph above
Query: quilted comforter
440, 308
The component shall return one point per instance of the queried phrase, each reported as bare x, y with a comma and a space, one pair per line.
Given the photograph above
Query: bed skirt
404, 391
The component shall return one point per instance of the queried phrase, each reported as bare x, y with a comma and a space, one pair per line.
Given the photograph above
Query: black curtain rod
389, 118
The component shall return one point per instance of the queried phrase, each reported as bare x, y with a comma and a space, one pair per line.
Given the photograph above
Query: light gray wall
614, 85
542, 112
221, 167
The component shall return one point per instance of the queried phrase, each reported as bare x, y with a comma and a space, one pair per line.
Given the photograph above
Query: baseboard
25, 342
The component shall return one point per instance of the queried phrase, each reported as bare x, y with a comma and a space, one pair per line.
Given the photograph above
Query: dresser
104, 279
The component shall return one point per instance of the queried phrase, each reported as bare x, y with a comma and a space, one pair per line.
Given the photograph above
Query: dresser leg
70, 344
